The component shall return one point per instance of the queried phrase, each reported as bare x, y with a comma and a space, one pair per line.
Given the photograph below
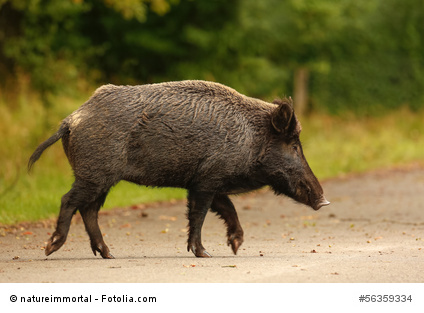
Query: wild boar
201, 136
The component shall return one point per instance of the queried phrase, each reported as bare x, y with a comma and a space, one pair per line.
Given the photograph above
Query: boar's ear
283, 116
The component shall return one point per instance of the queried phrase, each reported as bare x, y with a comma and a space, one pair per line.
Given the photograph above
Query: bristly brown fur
201, 136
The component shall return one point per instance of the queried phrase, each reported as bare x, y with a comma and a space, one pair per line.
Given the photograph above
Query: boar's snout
311, 194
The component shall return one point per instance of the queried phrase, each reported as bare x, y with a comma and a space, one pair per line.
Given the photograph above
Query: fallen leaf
137, 207
168, 218
313, 251
27, 233
232, 266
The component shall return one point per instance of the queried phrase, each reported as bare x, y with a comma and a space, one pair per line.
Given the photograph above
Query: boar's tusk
322, 202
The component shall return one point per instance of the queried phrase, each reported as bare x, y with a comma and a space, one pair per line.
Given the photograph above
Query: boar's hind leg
78, 198
67, 210
90, 215
198, 205
223, 206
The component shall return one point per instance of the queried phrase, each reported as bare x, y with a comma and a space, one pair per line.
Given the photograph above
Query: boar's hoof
107, 256
200, 253
203, 254
54, 243
235, 243
103, 250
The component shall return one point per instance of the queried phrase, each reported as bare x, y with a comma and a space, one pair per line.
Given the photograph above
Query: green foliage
171, 47
54, 41
388, 70
298, 33
138, 8
34, 41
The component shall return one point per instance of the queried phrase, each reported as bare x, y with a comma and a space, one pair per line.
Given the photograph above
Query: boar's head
285, 165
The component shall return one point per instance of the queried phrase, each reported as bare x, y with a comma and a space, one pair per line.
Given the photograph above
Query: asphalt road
373, 231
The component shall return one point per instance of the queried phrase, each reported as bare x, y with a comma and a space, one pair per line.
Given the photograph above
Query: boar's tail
64, 128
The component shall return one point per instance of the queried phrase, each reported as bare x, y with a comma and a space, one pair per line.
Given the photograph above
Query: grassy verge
332, 145
339, 145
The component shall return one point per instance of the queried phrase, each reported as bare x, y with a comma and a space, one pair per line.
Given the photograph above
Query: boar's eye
295, 148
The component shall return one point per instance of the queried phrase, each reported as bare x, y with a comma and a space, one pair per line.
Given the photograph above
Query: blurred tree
138, 8
388, 69
28, 39
174, 46
303, 35
398, 52
42, 40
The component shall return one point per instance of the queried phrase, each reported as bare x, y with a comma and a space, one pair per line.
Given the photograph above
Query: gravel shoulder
373, 232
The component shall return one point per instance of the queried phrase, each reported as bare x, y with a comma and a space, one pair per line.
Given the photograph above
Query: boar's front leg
223, 206
198, 205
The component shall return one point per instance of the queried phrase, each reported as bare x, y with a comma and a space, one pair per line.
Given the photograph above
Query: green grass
333, 146
341, 145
